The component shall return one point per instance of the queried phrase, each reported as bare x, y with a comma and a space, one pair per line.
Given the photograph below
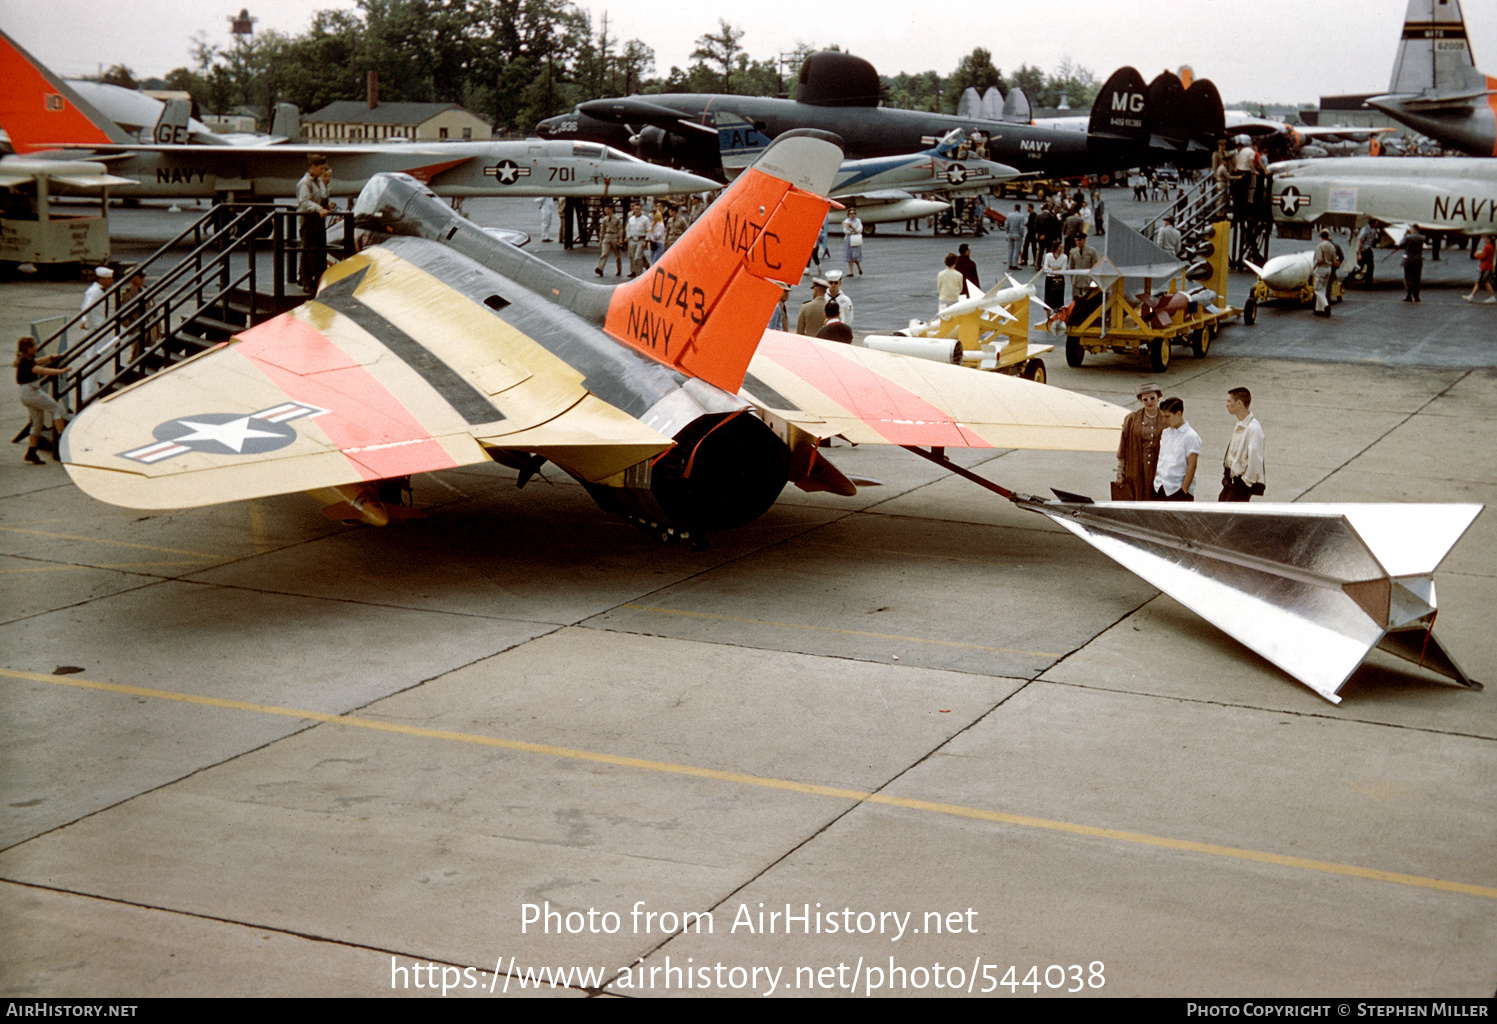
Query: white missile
1286, 273
990, 302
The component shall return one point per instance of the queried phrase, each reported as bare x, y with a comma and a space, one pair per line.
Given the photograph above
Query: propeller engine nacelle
697, 153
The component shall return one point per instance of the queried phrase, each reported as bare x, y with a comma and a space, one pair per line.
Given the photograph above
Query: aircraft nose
681, 181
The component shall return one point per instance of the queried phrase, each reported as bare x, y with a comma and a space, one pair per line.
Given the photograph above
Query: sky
1283, 51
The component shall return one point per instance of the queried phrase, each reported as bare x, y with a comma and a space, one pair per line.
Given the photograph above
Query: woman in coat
1138, 449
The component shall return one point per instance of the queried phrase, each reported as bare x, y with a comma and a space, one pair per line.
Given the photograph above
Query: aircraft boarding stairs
1247, 207
199, 300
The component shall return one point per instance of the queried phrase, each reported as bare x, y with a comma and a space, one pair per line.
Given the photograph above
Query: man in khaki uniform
675, 226
611, 238
1325, 263
813, 313
1082, 257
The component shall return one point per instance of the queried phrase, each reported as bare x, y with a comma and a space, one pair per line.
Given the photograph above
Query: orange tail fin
39, 111
704, 306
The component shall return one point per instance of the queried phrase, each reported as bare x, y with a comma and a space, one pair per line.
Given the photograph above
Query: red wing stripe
425, 174
368, 424
895, 412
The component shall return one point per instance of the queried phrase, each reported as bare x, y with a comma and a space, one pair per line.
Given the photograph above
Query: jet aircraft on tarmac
883, 188
46, 118
1436, 89
1132, 123
439, 346
155, 121
1447, 193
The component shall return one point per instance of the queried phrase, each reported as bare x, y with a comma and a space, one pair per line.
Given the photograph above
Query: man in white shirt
1179, 451
548, 216
313, 204
104, 342
1324, 267
949, 283
837, 295
1242, 466
635, 232
103, 279
1246, 160
1168, 238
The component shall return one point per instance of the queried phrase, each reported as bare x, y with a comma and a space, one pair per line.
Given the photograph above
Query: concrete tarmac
248, 751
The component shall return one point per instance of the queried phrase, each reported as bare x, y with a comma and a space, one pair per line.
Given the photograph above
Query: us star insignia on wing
225, 433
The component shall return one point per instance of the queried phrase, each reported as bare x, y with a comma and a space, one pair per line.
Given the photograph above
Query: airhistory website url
977, 979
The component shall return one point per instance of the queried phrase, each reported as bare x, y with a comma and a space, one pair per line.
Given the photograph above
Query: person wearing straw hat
1138, 448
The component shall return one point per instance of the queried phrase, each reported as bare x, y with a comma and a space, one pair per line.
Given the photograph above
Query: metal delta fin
40, 111
703, 307
1312, 588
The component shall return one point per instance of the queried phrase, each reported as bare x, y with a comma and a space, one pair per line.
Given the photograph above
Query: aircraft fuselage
454, 169
1439, 193
866, 132
1469, 127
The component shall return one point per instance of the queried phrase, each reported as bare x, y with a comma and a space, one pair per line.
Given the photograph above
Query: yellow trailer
993, 330
1304, 295
1111, 320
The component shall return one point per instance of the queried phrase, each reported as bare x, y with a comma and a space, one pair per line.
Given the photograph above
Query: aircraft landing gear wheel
1200, 342
1074, 352
1034, 370
1159, 354
1250, 310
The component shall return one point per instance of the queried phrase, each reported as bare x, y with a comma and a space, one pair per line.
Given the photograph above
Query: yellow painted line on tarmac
108, 565
45, 568
788, 785
845, 632
116, 543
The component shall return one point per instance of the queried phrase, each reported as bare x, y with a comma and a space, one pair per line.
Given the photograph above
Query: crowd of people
1052, 235
649, 231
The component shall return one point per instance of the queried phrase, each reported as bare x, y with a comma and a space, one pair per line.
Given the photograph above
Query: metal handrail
200, 280
193, 228
112, 318
157, 303
1193, 208
123, 372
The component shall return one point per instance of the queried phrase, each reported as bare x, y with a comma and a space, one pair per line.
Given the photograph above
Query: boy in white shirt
1179, 451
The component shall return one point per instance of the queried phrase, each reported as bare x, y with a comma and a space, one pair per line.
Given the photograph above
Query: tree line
517, 62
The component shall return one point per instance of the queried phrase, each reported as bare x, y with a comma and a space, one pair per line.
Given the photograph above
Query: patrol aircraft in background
46, 118
1170, 91
1436, 89
439, 346
1131, 124
1312, 141
1450, 193
994, 106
